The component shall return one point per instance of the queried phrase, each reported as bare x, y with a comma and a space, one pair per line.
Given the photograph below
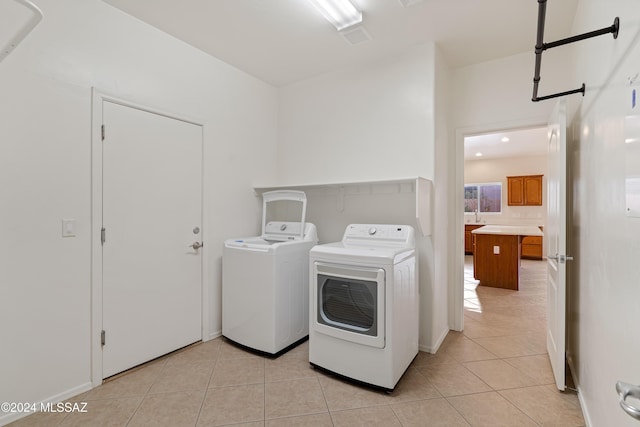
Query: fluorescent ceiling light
478, 154
341, 13
504, 139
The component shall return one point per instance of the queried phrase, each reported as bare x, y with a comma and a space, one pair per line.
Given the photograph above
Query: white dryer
364, 304
265, 280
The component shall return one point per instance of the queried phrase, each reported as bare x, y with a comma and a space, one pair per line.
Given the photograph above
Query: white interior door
556, 238
152, 213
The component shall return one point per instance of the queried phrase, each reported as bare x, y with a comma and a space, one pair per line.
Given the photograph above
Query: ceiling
285, 41
520, 143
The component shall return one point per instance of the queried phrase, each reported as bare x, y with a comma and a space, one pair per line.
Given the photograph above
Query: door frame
456, 290
98, 97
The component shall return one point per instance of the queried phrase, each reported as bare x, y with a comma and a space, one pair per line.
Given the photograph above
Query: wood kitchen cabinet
531, 247
497, 253
468, 237
501, 269
524, 190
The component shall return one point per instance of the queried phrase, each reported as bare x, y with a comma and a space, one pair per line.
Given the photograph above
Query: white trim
433, 349
456, 294
311, 185
212, 335
583, 404
97, 99
583, 408
96, 220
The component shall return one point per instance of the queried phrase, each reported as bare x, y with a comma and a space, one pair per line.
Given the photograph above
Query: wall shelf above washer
421, 187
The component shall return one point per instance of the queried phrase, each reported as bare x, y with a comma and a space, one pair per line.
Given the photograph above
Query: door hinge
103, 235
103, 336
102, 132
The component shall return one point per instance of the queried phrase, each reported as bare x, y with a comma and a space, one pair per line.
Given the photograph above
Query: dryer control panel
379, 234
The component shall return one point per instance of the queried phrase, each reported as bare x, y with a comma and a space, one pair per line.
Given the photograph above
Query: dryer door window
348, 304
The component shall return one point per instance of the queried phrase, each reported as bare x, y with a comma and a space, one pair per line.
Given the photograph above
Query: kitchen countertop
512, 230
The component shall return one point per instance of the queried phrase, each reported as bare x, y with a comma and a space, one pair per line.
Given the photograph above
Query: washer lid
279, 218
256, 244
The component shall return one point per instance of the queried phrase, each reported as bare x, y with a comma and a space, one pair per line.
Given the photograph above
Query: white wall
45, 173
497, 94
444, 204
604, 297
497, 170
370, 122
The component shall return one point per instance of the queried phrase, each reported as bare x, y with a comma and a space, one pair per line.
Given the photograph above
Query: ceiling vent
407, 3
357, 35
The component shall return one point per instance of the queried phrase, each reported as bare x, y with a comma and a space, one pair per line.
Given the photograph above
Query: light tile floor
495, 373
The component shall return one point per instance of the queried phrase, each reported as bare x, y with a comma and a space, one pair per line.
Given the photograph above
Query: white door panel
152, 202
555, 238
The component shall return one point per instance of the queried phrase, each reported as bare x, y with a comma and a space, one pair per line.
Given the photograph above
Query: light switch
68, 228
496, 250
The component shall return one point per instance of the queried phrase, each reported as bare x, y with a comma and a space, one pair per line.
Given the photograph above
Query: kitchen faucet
476, 212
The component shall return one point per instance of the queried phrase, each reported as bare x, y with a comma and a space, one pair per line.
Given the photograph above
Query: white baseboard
583, 407
212, 336
434, 348
60, 397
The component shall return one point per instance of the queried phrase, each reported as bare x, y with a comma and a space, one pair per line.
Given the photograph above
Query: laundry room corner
397, 136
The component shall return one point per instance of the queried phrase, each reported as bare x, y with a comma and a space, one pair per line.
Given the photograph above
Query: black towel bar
541, 47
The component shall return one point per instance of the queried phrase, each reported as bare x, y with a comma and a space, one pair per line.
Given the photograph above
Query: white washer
265, 281
364, 304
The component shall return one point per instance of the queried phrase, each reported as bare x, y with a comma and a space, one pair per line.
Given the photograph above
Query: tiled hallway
496, 373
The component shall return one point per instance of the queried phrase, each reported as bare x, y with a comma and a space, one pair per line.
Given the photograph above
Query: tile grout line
206, 391
324, 396
519, 409
144, 396
456, 409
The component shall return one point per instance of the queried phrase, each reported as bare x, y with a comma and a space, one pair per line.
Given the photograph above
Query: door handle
560, 258
624, 390
196, 245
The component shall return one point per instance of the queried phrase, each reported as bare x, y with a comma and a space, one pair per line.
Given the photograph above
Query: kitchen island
496, 254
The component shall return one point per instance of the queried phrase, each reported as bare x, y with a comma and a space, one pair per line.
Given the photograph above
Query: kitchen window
485, 198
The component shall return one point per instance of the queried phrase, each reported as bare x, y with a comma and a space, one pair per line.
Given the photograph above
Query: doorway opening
487, 158
509, 231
